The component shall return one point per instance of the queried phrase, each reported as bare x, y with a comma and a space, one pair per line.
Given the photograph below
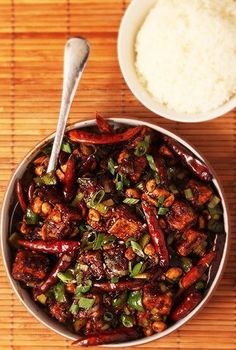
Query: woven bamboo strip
32, 35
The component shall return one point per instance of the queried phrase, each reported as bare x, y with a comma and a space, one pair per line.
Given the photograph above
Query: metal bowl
5, 223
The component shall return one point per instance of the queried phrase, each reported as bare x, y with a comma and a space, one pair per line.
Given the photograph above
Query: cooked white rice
186, 53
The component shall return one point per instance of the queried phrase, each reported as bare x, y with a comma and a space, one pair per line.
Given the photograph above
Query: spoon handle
75, 58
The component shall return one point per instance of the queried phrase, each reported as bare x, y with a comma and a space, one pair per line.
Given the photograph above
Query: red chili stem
103, 125
61, 266
21, 195
69, 178
156, 234
51, 247
120, 286
194, 164
197, 271
113, 336
186, 306
86, 137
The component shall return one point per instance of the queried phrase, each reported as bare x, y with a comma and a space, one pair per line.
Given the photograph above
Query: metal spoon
75, 58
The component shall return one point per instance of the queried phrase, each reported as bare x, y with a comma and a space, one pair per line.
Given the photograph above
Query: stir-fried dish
117, 243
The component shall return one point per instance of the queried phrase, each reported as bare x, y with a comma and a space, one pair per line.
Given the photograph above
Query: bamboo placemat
32, 36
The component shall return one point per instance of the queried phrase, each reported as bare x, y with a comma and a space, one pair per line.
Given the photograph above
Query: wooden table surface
32, 36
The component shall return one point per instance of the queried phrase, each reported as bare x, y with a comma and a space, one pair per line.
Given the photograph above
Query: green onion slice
48, 179
137, 269
59, 292
108, 316
97, 198
98, 241
65, 277
86, 303
141, 148
163, 211
135, 300
151, 162
111, 166
137, 249
84, 288
130, 201
74, 309
188, 193
213, 202
127, 321
65, 147
30, 217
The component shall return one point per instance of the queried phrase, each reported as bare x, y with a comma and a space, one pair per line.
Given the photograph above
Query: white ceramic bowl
130, 25
23, 295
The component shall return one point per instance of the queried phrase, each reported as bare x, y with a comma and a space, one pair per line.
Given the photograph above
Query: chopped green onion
144, 240
215, 226
120, 300
74, 309
111, 166
127, 321
130, 201
130, 266
78, 277
84, 227
135, 300
137, 269
65, 277
151, 162
163, 211
13, 239
47, 150
170, 238
188, 193
78, 198
216, 210
213, 202
42, 298
200, 285
101, 208
174, 189
59, 292
137, 249
86, 303
97, 198
48, 179
31, 218
114, 279
65, 147
141, 148
186, 263
98, 241
108, 316
84, 288
121, 181
108, 239
128, 241
140, 186
160, 201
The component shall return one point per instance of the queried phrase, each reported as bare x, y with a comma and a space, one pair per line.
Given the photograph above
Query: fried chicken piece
201, 192
180, 216
131, 166
124, 224
30, 267
59, 311
156, 301
94, 261
116, 263
190, 241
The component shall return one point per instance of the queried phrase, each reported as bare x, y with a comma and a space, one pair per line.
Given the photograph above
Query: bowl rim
132, 122
139, 91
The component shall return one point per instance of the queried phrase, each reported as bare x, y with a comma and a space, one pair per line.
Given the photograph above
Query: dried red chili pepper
186, 306
88, 165
69, 178
156, 234
135, 284
113, 336
51, 247
61, 266
86, 137
103, 125
31, 191
197, 271
194, 164
21, 195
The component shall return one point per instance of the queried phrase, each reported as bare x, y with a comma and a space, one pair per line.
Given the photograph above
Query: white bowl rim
132, 122
141, 93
